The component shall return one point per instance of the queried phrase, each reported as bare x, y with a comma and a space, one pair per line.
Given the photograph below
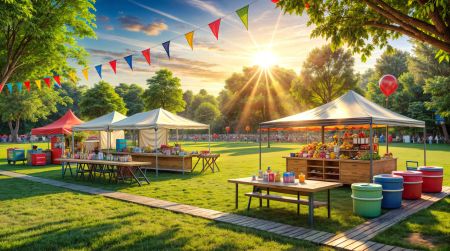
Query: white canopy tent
158, 119
102, 125
349, 109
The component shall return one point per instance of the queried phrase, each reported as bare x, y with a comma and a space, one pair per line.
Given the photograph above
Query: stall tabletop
105, 162
310, 186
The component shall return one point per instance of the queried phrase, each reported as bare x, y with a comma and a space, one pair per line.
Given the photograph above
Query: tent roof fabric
101, 123
158, 118
61, 126
349, 109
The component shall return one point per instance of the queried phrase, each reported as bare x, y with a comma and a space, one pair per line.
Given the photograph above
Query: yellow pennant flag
38, 83
73, 76
86, 74
190, 39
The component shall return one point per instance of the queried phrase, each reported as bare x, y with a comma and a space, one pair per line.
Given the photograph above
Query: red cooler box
38, 159
432, 178
56, 154
412, 184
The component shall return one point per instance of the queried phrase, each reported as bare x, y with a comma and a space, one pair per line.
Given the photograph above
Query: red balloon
307, 6
275, 1
388, 84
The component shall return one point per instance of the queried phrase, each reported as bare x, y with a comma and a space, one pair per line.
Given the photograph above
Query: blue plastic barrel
392, 190
121, 144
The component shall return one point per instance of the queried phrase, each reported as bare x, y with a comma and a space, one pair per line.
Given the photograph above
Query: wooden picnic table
308, 188
209, 160
120, 168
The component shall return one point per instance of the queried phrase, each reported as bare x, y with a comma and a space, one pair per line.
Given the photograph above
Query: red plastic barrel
412, 184
432, 178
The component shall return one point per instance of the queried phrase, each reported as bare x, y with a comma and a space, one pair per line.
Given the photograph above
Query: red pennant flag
27, 85
113, 64
48, 82
146, 54
1, 87
215, 26
57, 79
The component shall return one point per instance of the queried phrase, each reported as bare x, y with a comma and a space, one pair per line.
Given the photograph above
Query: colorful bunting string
129, 60
190, 39
214, 26
99, 70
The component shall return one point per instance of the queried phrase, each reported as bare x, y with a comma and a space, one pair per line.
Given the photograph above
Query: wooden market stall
348, 111
153, 128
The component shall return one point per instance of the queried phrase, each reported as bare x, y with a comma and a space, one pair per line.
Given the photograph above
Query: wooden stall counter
175, 163
339, 170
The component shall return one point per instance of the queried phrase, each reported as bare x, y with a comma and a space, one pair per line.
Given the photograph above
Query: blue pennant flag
166, 46
99, 70
129, 60
56, 85
9, 87
19, 86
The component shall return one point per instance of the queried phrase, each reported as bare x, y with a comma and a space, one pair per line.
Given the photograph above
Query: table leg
143, 175
328, 202
134, 176
268, 192
298, 205
215, 163
236, 198
311, 209
198, 160
70, 169
63, 169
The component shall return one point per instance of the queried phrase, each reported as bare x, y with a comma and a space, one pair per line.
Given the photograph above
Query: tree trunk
444, 131
14, 130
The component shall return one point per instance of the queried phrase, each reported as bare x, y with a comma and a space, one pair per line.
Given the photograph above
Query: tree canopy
363, 25
100, 100
132, 96
164, 91
325, 75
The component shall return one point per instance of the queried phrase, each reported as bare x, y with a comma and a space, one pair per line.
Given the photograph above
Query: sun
265, 59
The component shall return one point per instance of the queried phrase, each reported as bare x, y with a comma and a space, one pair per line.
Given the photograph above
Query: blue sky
127, 26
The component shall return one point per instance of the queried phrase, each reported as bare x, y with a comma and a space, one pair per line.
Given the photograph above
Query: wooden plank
306, 234
386, 248
376, 247
323, 238
365, 246
315, 236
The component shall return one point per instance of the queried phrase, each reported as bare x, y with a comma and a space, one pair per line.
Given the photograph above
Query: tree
423, 64
362, 25
36, 39
439, 88
132, 96
100, 100
28, 106
188, 96
164, 91
325, 75
257, 95
202, 97
207, 113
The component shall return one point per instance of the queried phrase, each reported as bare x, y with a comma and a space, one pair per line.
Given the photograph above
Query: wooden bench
280, 198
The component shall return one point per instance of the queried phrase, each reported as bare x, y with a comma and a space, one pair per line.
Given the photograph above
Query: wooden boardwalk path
357, 238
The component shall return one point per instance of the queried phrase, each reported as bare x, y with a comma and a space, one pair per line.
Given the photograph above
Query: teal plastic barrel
367, 199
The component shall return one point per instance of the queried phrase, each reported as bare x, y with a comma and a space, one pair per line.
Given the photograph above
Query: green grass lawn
211, 190
35, 216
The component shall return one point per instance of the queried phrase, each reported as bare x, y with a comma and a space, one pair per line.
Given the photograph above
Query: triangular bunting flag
86, 73
113, 64
190, 39
243, 15
38, 83
99, 70
73, 76
56, 85
1, 87
9, 85
146, 54
129, 60
48, 82
215, 26
166, 46
19, 87
57, 80
27, 85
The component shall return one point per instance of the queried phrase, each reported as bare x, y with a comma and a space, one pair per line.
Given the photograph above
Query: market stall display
153, 128
14, 155
350, 157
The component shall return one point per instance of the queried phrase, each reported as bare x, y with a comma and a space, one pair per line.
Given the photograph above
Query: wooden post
371, 150
268, 137
260, 139
424, 146
323, 134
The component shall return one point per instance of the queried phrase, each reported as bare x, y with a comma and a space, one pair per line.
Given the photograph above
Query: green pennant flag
243, 15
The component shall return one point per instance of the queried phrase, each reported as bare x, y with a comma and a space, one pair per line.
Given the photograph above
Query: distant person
430, 139
436, 139
382, 138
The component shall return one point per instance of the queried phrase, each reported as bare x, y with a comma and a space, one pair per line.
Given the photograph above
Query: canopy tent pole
387, 139
177, 135
323, 134
371, 150
73, 144
260, 139
156, 150
209, 138
424, 146
268, 137
109, 139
